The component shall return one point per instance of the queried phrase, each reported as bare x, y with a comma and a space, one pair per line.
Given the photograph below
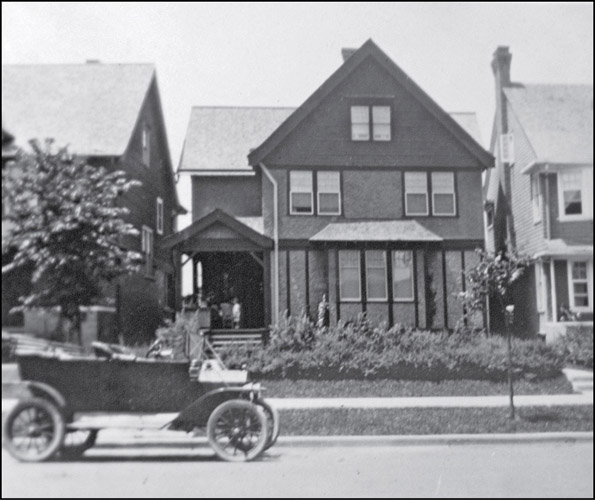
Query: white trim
536, 197
589, 281
217, 173
553, 291
359, 278
159, 223
377, 299
403, 299
407, 212
319, 192
435, 192
292, 192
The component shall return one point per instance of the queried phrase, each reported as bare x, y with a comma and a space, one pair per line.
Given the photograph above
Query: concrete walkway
581, 380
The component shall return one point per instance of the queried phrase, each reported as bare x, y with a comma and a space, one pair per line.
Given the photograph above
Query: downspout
275, 242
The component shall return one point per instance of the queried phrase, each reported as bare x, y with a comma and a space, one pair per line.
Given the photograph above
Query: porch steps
581, 380
249, 336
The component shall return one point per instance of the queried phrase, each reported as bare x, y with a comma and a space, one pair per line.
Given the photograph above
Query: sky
274, 54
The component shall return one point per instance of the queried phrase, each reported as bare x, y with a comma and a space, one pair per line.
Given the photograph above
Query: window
329, 193
507, 148
147, 249
536, 198
575, 194
580, 277
300, 193
402, 276
376, 275
159, 222
349, 275
360, 123
146, 145
416, 193
443, 193
490, 215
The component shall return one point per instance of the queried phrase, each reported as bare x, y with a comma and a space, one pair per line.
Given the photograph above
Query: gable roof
219, 138
369, 49
398, 230
93, 108
557, 120
247, 229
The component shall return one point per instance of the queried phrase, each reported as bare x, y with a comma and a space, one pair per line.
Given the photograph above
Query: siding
573, 232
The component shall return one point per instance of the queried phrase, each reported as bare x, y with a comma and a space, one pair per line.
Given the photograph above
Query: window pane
580, 289
381, 132
444, 204
579, 270
328, 182
376, 284
572, 203
300, 181
416, 182
301, 203
443, 182
381, 114
417, 204
403, 275
360, 114
349, 274
360, 132
328, 203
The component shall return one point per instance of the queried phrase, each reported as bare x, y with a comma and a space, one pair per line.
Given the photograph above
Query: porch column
553, 291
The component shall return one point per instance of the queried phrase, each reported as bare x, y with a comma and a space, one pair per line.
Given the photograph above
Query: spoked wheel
77, 441
272, 420
238, 431
34, 430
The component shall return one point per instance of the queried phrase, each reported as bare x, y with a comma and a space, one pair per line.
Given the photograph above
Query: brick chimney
347, 53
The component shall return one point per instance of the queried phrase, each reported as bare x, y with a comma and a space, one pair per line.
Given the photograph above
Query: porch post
553, 291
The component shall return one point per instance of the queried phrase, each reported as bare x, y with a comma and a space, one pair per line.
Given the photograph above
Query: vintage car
68, 388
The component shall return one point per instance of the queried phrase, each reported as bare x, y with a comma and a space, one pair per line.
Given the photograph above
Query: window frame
411, 267
453, 193
292, 191
371, 123
319, 192
359, 276
148, 248
540, 295
586, 190
376, 299
406, 192
536, 198
159, 222
146, 145
588, 281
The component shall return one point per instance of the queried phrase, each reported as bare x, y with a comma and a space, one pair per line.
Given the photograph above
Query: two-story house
368, 193
110, 115
539, 198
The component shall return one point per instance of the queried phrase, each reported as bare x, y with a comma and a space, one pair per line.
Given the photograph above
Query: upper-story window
575, 194
146, 144
159, 216
329, 193
301, 198
370, 122
443, 193
536, 197
580, 284
416, 193
147, 249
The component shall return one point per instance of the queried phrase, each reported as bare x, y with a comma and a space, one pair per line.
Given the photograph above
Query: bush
576, 346
361, 349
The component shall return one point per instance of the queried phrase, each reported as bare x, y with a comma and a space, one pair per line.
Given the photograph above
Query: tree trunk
509, 361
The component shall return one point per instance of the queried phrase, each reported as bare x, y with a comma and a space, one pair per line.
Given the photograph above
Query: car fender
47, 392
197, 414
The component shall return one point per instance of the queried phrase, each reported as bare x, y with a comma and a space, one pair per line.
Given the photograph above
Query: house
110, 115
539, 198
368, 193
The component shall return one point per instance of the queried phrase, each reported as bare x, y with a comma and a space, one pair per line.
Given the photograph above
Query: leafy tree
66, 223
493, 277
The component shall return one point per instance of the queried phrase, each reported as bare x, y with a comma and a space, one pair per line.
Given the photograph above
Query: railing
27, 344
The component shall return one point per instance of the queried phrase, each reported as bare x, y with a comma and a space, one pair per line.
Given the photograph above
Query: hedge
363, 350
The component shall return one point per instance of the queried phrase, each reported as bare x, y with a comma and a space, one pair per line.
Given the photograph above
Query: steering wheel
155, 347
102, 350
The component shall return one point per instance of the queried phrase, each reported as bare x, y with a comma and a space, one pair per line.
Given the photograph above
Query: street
190, 470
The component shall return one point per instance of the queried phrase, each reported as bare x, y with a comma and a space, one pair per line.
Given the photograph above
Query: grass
409, 388
415, 421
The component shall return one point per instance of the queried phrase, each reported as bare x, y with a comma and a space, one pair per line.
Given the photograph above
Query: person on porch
236, 312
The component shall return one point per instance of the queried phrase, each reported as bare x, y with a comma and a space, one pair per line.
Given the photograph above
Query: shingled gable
370, 49
217, 216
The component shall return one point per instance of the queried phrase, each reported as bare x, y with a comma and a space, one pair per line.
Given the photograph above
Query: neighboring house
109, 114
368, 192
539, 198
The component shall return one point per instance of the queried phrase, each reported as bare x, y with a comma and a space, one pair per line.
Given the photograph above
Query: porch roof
247, 228
398, 230
560, 248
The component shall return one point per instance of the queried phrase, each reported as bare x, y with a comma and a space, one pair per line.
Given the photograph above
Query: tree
66, 223
493, 277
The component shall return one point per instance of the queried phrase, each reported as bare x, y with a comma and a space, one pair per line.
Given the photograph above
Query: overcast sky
278, 54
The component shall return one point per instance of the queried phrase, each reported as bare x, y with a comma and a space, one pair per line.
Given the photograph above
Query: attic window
376, 116
146, 145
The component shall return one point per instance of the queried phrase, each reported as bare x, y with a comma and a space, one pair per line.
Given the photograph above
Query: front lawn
415, 421
408, 388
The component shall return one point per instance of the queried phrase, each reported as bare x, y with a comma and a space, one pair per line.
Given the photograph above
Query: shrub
576, 346
362, 349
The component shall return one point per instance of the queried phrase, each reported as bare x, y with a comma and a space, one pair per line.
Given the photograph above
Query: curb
355, 441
